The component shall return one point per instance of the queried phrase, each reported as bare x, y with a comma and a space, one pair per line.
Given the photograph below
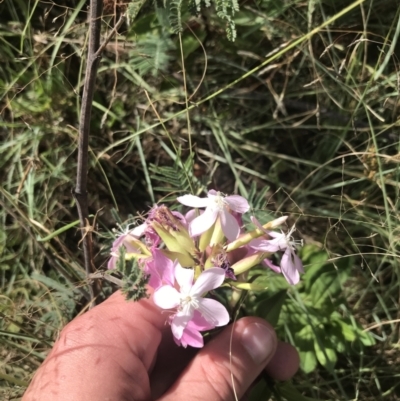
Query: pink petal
118, 242
166, 297
238, 203
151, 269
130, 245
229, 225
190, 336
198, 322
298, 263
264, 245
257, 223
193, 201
164, 266
191, 215
112, 263
152, 238
268, 263
203, 222
208, 280
184, 277
213, 311
126, 240
180, 217
288, 267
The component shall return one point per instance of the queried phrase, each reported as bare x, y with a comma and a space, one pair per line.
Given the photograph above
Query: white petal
298, 263
263, 245
274, 234
166, 297
139, 230
179, 323
193, 201
214, 312
208, 280
279, 240
237, 203
184, 277
229, 225
203, 222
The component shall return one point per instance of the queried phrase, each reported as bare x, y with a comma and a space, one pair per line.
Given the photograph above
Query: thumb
227, 366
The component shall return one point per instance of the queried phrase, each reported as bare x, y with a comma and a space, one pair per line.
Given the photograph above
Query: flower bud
246, 238
173, 232
248, 262
217, 235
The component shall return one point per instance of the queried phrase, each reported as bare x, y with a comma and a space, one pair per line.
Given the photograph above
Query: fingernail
259, 341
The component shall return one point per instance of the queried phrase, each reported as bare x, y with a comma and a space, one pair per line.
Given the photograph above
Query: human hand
123, 350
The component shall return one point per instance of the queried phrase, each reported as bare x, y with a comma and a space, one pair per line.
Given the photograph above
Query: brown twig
95, 50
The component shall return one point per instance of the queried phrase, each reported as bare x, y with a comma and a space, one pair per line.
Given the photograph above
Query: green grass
315, 125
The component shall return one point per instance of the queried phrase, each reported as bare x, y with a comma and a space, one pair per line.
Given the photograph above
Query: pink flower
192, 333
217, 205
291, 265
160, 268
189, 299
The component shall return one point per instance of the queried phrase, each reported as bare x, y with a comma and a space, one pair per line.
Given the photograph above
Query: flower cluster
188, 257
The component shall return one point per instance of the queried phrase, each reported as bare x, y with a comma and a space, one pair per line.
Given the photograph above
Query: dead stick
93, 58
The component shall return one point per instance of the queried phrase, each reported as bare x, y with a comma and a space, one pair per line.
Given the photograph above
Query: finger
171, 361
285, 362
226, 367
103, 354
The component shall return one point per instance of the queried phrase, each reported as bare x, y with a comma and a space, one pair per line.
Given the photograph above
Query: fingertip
259, 339
285, 362
228, 365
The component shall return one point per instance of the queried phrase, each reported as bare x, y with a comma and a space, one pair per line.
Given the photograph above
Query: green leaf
327, 286
307, 251
270, 308
366, 338
134, 8
326, 356
260, 392
304, 340
315, 260
347, 331
308, 361
175, 15
64, 290
142, 26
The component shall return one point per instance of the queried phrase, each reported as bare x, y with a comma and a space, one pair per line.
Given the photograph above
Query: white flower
291, 265
217, 205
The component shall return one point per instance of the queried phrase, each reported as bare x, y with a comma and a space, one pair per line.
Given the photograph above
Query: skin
121, 351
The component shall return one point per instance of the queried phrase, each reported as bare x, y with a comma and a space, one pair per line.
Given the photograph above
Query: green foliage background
297, 114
